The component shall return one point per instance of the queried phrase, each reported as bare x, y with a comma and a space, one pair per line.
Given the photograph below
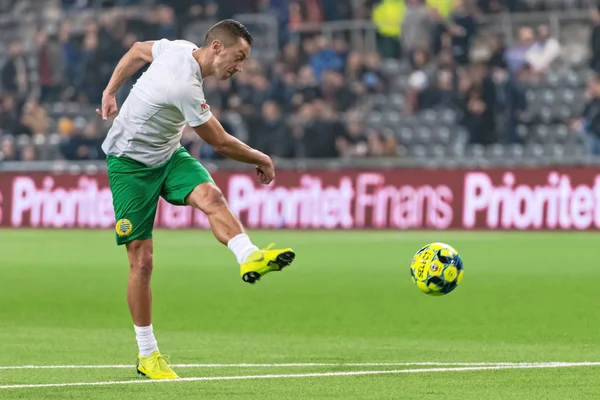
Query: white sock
241, 247
145, 339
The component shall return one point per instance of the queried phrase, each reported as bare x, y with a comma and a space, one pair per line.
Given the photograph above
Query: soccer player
146, 161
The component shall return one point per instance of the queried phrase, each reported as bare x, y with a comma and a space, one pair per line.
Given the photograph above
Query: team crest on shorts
123, 227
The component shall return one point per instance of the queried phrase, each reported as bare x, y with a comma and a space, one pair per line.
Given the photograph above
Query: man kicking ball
146, 161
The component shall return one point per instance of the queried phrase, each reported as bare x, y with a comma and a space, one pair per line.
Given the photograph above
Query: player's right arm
213, 133
138, 55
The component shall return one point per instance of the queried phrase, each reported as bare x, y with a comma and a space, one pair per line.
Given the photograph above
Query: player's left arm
138, 55
190, 100
213, 133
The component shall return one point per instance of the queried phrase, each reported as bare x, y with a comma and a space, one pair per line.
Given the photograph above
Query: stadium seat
447, 116
475, 151
418, 151
23, 140
400, 83
574, 149
533, 151
380, 102
396, 101
548, 97
554, 151
438, 151
442, 135
541, 134
428, 117
375, 118
515, 151
90, 169
390, 66
392, 118
523, 131
559, 133
457, 150
53, 139
406, 135
495, 152
424, 135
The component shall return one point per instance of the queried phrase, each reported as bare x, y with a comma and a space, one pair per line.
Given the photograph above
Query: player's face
230, 60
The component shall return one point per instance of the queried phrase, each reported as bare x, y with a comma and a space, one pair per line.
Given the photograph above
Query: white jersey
168, 95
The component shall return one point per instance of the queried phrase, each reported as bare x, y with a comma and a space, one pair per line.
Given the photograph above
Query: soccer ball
437, 269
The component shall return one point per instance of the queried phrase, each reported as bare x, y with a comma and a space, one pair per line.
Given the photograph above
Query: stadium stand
479, 83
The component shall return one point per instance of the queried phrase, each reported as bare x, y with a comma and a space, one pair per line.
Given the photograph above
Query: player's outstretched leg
139, 297
227, 228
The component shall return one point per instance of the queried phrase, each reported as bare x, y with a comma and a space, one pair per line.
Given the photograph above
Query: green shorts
136, 189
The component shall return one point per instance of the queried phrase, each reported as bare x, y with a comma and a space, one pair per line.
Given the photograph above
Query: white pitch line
307, 375
246, 365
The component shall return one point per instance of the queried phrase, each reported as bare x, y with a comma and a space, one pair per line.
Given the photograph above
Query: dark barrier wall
562, 198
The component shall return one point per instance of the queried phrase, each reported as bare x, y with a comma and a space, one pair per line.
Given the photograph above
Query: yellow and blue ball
437, 269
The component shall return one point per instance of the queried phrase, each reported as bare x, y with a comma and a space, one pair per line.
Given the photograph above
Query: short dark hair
228, 31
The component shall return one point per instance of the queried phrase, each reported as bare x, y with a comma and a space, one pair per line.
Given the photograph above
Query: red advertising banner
541, 198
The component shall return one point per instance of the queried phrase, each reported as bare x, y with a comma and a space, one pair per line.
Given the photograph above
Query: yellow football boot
263, 261
155, 366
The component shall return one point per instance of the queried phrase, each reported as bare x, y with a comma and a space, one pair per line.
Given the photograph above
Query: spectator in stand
337, 10
88, 80
261, 92
325, 58
28, 153
228, 8
419, 82
15, 77
442, 93
388, 16
9, 152
462, 29
382, 144
588, 125
371, 76
543, 52
336, 92
595, 38
166, 23
497, 45
291, 57
511, 103
474, 113
51, 66
307, 89
416, 27
80, 140
439, 34
70, 51
491, 6
188, 11
35, 117
354, 141
516, 56
303, 11
273, 137
10, 117
479, 106
315, 138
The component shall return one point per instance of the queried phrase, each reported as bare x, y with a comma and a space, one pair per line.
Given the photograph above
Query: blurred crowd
310, 101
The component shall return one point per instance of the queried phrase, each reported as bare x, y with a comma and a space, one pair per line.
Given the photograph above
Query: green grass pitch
347, 299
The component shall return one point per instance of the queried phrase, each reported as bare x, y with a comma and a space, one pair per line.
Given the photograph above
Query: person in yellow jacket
387, 16
444, 7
